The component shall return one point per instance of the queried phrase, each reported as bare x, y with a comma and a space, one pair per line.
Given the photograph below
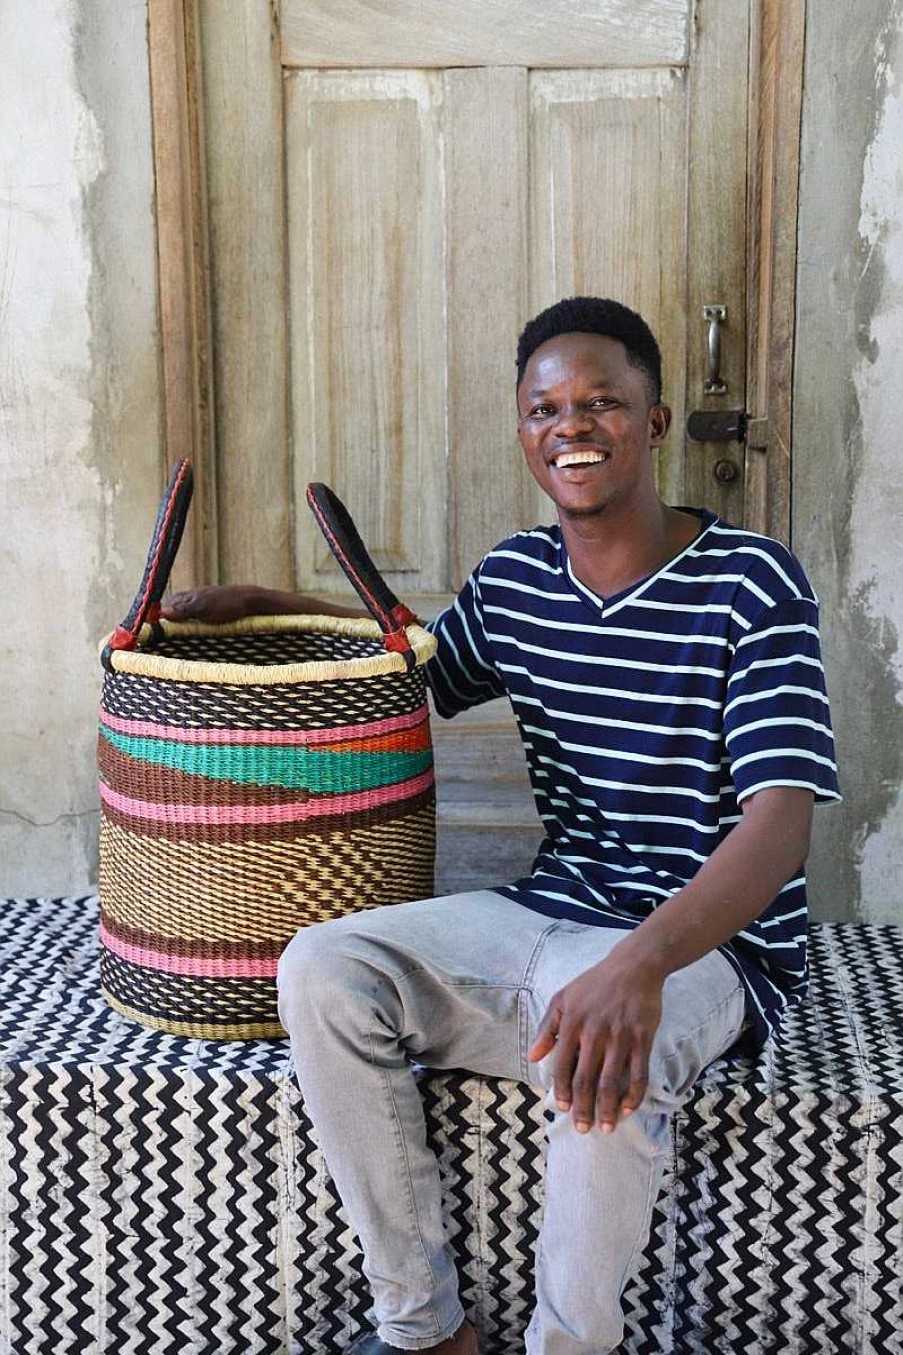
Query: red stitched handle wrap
344, 541
167, 536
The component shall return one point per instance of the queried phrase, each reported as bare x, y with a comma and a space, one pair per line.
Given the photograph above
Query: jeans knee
319, 972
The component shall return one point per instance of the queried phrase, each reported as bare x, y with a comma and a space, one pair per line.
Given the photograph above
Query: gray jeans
462, 982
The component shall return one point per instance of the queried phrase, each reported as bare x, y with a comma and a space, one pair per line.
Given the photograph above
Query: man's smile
578, 456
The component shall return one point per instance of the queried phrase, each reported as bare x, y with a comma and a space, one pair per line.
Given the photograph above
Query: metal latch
717, 425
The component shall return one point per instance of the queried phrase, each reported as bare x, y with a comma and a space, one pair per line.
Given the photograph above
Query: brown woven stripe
165, 785
197, 948
308, 705
262, 891
240, 834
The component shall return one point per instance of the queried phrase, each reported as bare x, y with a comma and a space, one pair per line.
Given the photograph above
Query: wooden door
386, 200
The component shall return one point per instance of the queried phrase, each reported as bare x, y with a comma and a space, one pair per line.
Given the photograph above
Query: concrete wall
80, 416
847, 454
79, 403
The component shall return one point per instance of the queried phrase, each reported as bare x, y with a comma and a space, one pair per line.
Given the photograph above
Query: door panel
486, 192
527, 33
609, 206
366, 315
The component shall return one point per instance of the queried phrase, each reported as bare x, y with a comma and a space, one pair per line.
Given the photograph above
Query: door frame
185, 249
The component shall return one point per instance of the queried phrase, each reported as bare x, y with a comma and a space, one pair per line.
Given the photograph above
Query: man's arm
602, 1024
231, 602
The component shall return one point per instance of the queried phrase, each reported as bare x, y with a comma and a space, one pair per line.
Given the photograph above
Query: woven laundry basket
255, 777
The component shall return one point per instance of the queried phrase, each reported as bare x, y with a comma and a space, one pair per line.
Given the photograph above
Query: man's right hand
230, 602
225, 602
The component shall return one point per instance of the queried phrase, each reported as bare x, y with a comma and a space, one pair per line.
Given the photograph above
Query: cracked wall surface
79, 407
848, 410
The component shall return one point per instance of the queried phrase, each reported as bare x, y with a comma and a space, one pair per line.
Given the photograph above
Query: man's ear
659, 423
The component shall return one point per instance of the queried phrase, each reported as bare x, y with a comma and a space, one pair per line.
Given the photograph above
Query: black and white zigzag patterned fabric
165, 1196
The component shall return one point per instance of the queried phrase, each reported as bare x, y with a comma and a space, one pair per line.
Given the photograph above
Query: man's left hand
601, 1026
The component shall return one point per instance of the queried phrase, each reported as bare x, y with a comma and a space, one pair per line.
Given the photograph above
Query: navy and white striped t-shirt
647, 718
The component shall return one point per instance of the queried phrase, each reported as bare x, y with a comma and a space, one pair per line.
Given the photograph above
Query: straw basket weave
255, 777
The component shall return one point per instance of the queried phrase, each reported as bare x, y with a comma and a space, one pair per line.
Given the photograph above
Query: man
664, 668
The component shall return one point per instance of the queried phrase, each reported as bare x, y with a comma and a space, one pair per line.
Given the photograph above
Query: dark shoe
372, 1345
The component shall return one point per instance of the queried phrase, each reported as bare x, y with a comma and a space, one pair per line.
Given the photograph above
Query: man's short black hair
595, 315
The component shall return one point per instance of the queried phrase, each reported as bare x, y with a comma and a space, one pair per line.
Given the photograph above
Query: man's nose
573, 420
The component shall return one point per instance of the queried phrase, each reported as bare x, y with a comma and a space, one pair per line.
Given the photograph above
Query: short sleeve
777, 722
463, 673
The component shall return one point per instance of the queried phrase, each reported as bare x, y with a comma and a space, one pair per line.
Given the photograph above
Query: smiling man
665, 672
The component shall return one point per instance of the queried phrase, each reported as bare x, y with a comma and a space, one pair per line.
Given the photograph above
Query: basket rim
147, 664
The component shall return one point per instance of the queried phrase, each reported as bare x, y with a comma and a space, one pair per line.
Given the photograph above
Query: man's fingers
639, 1081
208, 602
566, 1044
610, 1083
623, 1079
585, 1082
546, 1035
567, 1049
180, 604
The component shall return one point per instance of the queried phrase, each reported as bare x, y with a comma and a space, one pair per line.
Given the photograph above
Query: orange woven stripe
403, 741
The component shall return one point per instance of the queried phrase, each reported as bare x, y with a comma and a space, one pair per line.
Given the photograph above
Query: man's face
586, 424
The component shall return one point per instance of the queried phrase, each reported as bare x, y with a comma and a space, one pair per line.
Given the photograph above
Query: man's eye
599, 400
541, 411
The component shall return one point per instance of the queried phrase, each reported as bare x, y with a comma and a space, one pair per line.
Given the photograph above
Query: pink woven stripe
259, 736
284, 813
191, 965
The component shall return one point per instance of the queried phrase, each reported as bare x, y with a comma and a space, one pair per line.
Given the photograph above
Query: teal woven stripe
295, 768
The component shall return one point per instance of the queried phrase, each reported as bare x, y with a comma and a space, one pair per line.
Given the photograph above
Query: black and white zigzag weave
165, 1196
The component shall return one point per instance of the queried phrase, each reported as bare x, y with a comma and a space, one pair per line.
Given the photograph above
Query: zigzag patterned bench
162, 1196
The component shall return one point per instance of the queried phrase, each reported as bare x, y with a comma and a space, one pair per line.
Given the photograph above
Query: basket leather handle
167, 536
344, 541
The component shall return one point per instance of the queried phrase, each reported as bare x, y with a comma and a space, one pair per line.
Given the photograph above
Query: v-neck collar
606, 606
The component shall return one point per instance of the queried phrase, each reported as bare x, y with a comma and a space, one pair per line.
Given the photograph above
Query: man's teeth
579, 459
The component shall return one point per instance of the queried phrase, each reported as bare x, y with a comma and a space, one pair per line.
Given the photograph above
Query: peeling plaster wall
79, 406
847, 483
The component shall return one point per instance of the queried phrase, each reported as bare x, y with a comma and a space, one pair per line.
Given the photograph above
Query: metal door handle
715, 317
